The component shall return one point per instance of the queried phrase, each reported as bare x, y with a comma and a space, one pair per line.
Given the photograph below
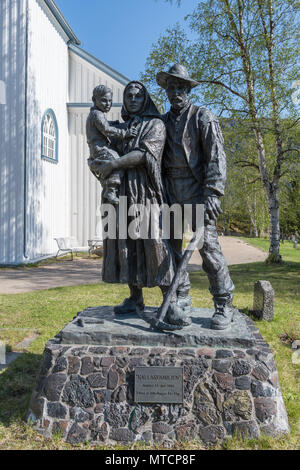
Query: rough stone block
60, 365
53, 386
243, 382
211, 434
246, 429
240, 367
185, 432
96, 380
74, 364
224, 381
263, 301
76, 434
56, 410
265, 409
78, 393
238, 404
78, 414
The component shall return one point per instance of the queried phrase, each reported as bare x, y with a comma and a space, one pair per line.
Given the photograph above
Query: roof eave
100, 65
62, 21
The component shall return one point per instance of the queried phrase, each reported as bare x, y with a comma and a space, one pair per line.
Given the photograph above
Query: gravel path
88, 271
236, 251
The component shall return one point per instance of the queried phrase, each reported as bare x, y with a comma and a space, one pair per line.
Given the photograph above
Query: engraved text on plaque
158, 385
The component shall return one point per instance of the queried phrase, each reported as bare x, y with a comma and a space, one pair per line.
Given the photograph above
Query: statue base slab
86, 386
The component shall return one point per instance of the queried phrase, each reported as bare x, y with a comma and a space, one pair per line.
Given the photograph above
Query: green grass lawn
288, 252
48, 311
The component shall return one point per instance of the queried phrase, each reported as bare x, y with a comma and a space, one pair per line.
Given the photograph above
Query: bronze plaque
158, 385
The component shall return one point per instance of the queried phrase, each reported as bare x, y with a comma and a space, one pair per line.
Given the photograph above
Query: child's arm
103, 126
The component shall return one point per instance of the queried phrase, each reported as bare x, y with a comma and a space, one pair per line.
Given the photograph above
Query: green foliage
246, 57
244, 204
170, 48
290, 205
215, 55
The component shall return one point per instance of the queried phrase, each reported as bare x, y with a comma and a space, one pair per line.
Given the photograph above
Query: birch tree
246, 56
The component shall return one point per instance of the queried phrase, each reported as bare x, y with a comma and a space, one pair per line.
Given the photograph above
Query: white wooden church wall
48, 205
12, 76
61, 199
85, 189
84, 77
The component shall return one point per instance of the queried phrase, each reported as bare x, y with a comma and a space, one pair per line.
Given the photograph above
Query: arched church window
49, 136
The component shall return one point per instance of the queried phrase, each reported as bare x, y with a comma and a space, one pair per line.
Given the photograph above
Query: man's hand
212, 208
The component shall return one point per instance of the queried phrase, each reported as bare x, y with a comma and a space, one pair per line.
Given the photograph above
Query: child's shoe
110, 194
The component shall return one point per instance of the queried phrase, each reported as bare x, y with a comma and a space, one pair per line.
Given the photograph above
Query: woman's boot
132, 304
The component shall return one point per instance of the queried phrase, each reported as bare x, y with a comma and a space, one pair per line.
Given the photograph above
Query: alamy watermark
152, 221
2, 92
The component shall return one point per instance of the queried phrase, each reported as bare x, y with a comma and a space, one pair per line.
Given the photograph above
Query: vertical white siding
84, 77
85, 190
61, 199
48, 211
12, 73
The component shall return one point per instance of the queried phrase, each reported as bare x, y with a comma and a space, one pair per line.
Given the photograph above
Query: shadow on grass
16, 384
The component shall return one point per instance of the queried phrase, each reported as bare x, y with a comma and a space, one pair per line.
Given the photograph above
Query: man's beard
179, 102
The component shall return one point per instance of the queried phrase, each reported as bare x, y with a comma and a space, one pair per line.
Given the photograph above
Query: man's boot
223, 315
132, 304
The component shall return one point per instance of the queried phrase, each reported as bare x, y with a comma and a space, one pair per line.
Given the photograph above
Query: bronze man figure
194, 172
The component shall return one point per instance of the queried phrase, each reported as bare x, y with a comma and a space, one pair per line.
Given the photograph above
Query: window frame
53, 117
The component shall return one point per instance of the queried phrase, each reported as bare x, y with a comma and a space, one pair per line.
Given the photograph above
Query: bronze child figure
99, 134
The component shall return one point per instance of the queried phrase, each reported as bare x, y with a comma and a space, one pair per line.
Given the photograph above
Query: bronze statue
140, 262
177, 158
194, 172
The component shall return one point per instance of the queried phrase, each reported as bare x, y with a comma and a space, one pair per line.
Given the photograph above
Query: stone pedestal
86, 384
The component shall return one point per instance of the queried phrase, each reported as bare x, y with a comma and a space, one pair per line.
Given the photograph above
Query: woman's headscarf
148, 109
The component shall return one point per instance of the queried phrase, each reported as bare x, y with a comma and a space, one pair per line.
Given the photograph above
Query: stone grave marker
263, 301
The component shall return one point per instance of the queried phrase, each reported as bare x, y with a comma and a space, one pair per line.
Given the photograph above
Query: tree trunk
274, 255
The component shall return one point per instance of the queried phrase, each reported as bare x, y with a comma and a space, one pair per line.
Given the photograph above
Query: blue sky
121, 32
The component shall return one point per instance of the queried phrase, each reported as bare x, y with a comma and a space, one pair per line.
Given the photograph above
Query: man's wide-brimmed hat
176, 71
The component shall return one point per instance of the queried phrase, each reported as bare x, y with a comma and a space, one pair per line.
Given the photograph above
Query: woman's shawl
150, 138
